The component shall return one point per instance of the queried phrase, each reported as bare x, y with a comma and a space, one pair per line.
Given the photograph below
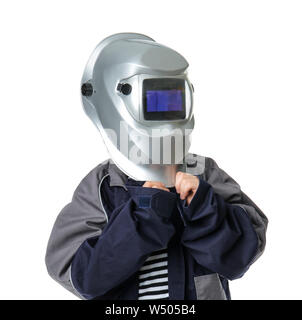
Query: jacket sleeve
92, 257
225, 231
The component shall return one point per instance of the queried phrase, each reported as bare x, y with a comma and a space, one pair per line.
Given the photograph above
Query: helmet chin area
140, 168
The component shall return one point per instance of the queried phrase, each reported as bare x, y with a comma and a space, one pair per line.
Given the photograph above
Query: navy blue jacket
214, 239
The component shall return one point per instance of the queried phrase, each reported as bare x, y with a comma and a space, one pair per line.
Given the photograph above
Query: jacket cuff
160, 201
198, 199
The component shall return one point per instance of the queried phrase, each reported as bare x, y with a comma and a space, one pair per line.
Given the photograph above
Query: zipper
180, 209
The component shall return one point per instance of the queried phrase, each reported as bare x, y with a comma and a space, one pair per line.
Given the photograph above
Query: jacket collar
195, 165
117, 176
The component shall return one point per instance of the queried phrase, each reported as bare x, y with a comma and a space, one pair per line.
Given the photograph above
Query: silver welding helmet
136, 91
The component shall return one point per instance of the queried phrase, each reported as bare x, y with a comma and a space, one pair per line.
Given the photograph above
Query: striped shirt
153, 277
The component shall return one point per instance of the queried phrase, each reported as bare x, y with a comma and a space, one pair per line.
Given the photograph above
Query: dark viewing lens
164, 100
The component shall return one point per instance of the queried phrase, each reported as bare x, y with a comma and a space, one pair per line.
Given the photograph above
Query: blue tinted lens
164, 100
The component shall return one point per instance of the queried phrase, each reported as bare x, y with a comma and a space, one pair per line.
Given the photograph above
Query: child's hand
155, 184
186, 185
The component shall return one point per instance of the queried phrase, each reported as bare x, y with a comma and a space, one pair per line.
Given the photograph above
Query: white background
246, 67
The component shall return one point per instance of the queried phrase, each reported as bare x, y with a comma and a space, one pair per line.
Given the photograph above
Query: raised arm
225, 231
93, 258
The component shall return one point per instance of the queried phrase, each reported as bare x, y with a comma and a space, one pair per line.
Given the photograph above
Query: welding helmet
137, 93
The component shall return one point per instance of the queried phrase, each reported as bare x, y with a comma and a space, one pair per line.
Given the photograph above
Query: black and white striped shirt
153, 277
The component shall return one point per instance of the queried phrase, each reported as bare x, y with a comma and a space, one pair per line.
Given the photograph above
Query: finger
162, 188
178, 180
185, 189
147, 184
190, 197
158, 183
183, 195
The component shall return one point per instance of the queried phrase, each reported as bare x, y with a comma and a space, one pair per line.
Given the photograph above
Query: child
137, 230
